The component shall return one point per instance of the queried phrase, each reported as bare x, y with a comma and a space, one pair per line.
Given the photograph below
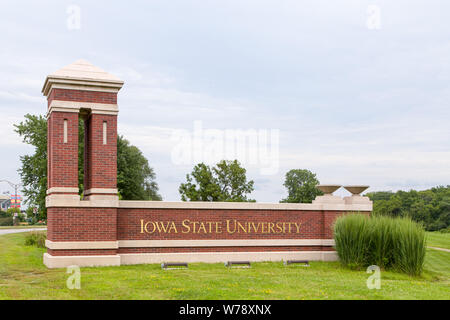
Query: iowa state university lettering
227, 226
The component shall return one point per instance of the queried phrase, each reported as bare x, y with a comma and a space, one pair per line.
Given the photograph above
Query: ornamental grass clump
409, 247
351, 240
390, 243
36, 238
382, 241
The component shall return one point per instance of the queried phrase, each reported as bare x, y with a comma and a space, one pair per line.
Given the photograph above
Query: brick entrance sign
98, 229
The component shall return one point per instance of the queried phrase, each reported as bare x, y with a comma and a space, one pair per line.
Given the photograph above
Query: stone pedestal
328, 198
357, 199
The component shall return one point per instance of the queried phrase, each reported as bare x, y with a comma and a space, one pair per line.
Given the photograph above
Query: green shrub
4, 214
382, 242
390, 243
352, 243
36, 238
7, 221
409, 247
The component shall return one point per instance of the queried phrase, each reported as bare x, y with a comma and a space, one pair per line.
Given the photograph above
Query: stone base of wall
81, 261
216, 257
205, 257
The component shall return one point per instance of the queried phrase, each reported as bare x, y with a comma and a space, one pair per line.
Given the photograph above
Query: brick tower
82, 91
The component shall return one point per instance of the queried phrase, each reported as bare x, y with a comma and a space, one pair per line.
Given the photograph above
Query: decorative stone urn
328, 189
355, 190
328, 196
356, 197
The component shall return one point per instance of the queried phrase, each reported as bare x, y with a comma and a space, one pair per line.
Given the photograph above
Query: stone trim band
101, 191
72, 106
74, 245
62, 190
77, 245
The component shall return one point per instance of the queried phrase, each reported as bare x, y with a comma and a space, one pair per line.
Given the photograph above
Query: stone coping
62, 201
243, 205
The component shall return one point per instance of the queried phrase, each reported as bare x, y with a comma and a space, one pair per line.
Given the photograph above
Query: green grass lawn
23, 276
438, 239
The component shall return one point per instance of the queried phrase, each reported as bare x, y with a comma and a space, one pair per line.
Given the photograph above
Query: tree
380, 195
227, 181
34, 167
429, 207
12, 211
301, 186
136, 179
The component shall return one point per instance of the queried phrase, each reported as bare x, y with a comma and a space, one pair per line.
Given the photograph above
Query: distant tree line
430, 207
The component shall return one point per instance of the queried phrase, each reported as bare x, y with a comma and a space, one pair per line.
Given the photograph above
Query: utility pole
13, 185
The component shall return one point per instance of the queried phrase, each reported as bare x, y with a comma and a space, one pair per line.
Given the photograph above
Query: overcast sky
358, 97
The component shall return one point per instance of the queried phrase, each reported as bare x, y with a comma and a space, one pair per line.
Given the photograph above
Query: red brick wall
110, 224
129, 223
62, 157
100, 159
82, 224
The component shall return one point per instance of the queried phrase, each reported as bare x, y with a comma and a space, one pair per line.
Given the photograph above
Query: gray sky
354, 102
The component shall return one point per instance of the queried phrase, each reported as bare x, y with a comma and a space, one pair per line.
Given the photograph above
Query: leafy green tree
429, 207
227, 181
391, 207
380, 195
12, 211
33, 171
301, 186
136, 179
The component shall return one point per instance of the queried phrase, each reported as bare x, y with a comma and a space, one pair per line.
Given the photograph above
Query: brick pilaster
62, 157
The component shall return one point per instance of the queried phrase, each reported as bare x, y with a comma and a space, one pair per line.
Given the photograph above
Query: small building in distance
10, 201
5, 202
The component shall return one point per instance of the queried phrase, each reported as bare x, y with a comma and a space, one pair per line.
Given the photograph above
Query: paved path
441, 249
8, 231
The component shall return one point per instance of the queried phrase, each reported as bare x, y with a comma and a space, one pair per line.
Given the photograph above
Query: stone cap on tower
82, 75
82, 86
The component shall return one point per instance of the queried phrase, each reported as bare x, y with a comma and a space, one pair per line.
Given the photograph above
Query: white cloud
352, 105
7, 134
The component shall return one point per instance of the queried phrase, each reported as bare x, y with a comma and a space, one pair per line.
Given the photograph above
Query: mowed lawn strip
438, 239
23, 276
